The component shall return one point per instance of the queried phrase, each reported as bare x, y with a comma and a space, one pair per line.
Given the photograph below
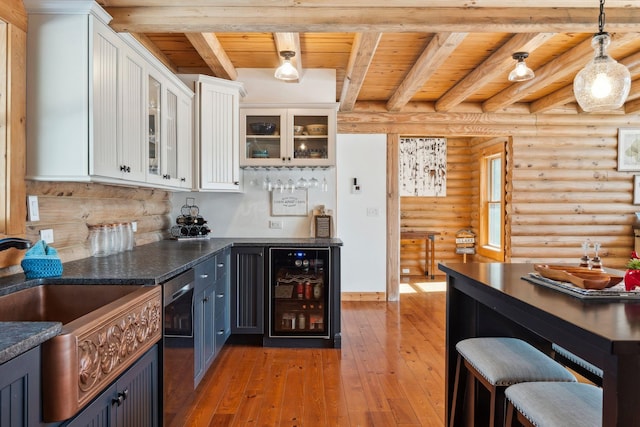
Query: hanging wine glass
291, 185
279, 185
267, 184
325, 185
302, 182
313, 182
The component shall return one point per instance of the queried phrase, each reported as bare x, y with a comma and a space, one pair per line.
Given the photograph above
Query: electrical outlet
34, 210
134, 226
47, 235
373, 212
277, 225
405, 271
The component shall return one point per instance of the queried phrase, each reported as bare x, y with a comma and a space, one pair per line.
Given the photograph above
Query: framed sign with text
289, 203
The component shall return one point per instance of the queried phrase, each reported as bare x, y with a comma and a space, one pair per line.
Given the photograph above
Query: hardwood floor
389, 372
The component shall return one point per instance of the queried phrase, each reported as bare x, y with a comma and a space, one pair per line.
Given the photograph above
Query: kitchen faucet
14, 242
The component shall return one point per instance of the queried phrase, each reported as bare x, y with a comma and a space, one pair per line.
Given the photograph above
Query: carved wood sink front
105, 328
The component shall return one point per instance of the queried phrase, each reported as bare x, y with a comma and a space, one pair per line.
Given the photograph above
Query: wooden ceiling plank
289, 41
362, 52
565, 65
321, 18
492, 67
155, 51
371, 3
213, 54
437, 51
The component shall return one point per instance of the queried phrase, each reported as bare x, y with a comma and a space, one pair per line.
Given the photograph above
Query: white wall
364, 254
248, 214
315, 86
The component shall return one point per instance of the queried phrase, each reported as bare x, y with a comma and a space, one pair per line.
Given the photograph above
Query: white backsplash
248, 214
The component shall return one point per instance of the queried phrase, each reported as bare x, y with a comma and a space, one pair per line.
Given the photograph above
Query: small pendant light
603, 84
521, 72
287, 71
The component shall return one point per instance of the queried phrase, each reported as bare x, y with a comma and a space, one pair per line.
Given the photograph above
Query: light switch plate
34, 210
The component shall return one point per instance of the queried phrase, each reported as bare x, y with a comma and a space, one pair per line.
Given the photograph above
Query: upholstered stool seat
551, 404
578, 364
498, 363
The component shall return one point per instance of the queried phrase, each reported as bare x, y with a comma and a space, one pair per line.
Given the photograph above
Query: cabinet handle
220, 265
220, 332
166, 176
236, 182
220, 296
120, 397
204, 276
205, 299
125, 168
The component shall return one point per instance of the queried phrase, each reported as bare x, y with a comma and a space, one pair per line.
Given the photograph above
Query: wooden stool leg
458, 391
508, 422
499, 406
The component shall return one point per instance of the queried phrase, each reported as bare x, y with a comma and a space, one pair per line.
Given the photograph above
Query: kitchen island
493, 300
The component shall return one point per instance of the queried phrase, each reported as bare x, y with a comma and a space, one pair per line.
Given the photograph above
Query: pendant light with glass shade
287, 71
521, 73
603, 84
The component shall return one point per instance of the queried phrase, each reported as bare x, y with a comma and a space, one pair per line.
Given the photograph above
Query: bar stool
578, 364
498, 363
551, 404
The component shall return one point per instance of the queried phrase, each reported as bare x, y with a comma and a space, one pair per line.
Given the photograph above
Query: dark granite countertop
147, 265
18, 337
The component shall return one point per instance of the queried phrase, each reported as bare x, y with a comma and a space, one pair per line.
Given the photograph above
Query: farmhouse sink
105, 328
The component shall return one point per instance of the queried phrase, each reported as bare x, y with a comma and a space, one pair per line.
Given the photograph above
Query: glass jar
98, 240
112, 238
120, 243
128, 236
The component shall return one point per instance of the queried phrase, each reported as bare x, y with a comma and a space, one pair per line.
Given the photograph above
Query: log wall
69, 208
563, 186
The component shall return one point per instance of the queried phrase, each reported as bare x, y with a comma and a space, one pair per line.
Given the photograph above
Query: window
491, 241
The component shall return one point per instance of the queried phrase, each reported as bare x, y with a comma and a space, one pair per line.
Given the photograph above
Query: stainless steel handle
204, 276
220, 265
220, 296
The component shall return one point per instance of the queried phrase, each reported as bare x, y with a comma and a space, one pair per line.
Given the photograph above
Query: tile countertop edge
18, 337
149, 264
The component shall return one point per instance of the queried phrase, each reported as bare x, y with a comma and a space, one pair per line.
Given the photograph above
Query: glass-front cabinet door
312, 137
262, 137
287, 137
170, 165
155, 125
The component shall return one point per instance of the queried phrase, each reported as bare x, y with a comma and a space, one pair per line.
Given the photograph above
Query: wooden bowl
581, 277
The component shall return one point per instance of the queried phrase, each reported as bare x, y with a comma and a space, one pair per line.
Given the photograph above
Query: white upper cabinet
217, 125
89, 108
288, 137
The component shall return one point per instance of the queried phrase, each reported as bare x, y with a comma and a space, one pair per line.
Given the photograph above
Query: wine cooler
299, 293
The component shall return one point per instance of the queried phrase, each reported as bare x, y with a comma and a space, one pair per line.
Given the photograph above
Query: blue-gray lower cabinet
131, 401
247, 299
211, 326
20, 390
